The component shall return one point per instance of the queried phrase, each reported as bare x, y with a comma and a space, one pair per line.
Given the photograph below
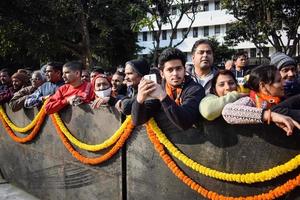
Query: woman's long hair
214, 79
262, 73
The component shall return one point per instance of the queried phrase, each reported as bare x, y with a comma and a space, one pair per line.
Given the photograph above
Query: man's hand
70, 99
158, 93
44, 98
145, 88
118, 105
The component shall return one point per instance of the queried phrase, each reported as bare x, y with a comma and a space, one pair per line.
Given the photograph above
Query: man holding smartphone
178, 96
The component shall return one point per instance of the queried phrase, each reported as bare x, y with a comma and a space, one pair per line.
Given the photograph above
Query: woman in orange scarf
266, 92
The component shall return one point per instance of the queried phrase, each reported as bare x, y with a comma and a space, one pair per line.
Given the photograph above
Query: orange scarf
264, 101
174, 93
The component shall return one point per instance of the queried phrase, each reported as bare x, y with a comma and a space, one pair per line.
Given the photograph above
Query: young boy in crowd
73, 92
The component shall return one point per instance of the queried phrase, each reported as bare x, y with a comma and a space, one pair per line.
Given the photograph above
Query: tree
263, 22
221, 52
96, 32
157, 13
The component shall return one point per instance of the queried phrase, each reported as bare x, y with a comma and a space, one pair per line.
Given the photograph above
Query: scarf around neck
174, 93
263, 100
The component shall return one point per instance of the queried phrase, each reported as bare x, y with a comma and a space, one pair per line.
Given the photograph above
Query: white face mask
103, 93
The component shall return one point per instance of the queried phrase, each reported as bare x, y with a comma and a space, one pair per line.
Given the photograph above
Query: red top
59, 99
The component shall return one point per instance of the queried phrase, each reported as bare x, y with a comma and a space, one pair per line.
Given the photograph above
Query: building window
195, 32
175, 34
206, 31
252, 52
217, 5
184, 31
164, 35
217, 29
174, 10
145, 36
205, 6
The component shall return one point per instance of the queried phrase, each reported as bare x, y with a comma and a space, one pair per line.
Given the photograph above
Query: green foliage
97, 32
265, 21
156, 13
221, 52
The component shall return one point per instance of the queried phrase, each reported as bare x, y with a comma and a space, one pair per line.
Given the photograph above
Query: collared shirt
35, 99
204, 81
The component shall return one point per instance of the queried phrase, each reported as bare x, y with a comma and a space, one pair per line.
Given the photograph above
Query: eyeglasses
35, 79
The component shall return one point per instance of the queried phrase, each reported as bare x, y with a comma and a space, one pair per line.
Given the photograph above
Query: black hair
97, 69
119, 74
262, 73
6, 70
56, 65
74, 65
202, 41
239, 54
171, 54
215, 78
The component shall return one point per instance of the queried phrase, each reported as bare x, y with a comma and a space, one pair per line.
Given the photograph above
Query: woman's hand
284, 122
100, 101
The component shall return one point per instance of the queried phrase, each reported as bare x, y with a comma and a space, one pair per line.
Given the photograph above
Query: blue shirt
35, 99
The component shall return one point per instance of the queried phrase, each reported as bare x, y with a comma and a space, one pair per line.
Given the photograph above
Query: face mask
103, 93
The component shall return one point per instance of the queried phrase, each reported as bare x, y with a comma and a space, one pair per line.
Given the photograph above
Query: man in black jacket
134, 72
178, 96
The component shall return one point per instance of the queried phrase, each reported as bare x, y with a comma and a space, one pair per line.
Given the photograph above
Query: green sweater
211, 106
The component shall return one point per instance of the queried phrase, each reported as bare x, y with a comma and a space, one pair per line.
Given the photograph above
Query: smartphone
151, 77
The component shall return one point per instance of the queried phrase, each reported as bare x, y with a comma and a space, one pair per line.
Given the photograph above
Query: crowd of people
264, 94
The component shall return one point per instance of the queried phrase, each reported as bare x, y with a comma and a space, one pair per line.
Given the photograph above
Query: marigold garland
107, 143
272, 194
22, 129
97, 160
30, 136
240, 178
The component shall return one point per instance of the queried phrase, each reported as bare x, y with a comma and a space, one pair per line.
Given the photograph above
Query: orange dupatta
264, 101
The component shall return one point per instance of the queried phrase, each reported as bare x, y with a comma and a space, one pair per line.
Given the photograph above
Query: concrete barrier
47, 170
217, 145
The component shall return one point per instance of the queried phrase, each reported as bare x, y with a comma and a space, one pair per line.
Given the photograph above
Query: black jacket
182, 116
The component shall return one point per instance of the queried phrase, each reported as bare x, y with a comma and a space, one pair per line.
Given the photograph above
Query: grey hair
39, 74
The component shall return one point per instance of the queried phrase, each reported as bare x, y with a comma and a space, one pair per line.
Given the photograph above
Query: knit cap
280, 60
140, 66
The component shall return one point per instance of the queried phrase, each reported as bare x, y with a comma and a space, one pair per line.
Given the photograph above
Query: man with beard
178, 96
73, 92
54, 80
203, 58
17, 102
6, 89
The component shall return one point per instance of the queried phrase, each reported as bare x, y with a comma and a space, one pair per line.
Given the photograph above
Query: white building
211, 21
